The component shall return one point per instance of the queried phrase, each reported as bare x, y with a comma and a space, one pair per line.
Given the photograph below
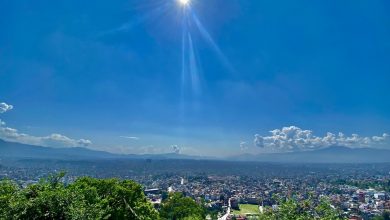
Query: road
227, 212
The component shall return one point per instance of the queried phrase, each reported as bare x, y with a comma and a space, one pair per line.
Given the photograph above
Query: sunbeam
193, 67
190, 70
153, 14
184, 77
205, 34
183, 59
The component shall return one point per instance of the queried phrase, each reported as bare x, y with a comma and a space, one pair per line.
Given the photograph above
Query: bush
178, 207
86, 198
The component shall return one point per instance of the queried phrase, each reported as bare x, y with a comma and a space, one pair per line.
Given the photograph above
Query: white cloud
176, 149
258, 141
243, 146
295, 139
384, 137
130, 137
53, 140
61, 140
4, 107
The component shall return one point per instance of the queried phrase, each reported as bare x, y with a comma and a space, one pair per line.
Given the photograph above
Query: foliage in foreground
86, 198
384, 216
179, 207
304, 210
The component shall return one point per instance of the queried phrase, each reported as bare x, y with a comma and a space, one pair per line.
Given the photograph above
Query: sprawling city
233, 190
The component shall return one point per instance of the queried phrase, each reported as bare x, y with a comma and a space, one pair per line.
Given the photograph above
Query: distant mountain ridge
336, 154
12, 150
25, 151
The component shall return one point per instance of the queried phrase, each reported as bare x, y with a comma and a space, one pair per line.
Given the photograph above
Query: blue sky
110, 70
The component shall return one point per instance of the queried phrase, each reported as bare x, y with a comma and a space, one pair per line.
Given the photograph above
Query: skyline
235, 77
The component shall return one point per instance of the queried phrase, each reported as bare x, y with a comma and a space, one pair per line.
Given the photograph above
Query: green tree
178, 207
8, 190
119, 199
86, 198
304, 210
326, 212
384, 216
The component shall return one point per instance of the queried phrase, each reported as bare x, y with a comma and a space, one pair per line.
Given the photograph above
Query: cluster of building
223, 192
359, 192
361, 203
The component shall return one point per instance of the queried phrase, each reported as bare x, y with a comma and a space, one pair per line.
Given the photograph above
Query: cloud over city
243, 146
53, 140
4, 107
293, 138
130, 138
176, 149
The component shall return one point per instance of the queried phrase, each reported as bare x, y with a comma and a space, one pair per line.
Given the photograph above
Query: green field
246, 209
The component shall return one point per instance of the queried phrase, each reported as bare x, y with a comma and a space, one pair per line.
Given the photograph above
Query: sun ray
205, 34
184, 52
153, 14
193, 67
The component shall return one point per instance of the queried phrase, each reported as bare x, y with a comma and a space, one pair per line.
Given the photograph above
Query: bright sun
184, 2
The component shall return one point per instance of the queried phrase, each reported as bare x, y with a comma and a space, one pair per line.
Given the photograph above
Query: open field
246, 209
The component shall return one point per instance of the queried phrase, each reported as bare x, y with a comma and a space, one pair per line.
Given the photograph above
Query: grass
247, 209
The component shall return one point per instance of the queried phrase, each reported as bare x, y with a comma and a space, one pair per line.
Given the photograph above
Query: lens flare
184, 2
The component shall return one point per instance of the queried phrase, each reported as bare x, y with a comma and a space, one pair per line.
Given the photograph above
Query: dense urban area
232, 190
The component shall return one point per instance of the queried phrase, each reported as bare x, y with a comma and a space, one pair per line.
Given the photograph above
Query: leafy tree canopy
178, 207
86, 198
